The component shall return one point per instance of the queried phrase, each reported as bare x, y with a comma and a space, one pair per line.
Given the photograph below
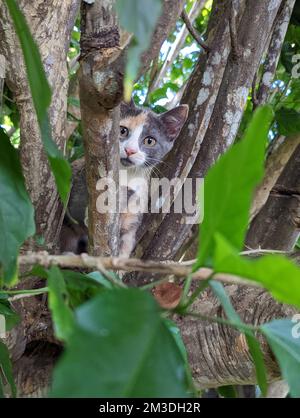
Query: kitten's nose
130, 151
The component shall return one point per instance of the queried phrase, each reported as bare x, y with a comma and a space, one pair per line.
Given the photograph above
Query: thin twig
193, 31
116, 263
152, 77
261, 251
100, 267
20, 294
250, 251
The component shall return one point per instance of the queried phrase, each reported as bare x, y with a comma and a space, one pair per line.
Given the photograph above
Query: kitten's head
146, 137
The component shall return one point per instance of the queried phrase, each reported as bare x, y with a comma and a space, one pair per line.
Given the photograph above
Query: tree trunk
218, 354
101, 82
51, 24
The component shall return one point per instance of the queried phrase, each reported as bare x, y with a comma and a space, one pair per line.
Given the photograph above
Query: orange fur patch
133, 122
128, 220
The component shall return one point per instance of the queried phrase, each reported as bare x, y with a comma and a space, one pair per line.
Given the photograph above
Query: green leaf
38, 271
187, 63
221, 294
253, 344
82, 287
138, 17
121, 348
291, 100
276, 273
258, 358
58, 303
285, 344
288, 121
161, 92
41, 96
175, 331
16, 211
6, 369
11, 317
227, 391
158, 94
229, 186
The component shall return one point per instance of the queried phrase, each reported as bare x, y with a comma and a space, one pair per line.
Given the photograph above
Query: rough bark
277, 225
101, 81
51, 24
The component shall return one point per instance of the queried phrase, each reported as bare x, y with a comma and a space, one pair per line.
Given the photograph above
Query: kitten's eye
123, 131
149, 141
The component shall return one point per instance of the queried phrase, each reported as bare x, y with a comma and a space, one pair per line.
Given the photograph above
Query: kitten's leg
127, 243
129, 225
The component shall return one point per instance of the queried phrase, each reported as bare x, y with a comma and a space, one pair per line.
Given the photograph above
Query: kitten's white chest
134, 179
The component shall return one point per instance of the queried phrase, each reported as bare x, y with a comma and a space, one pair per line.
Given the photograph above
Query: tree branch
275, 164
277, 225
274, 51
101, 87
85, 261
193, 31
224, 107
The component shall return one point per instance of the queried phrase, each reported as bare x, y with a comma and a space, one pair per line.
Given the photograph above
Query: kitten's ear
126, 106
174, 120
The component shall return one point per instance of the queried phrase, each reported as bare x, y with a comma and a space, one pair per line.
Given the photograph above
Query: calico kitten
145, 139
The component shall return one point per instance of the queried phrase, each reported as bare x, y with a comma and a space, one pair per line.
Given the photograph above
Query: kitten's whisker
155, 170
158, 161
148, 169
